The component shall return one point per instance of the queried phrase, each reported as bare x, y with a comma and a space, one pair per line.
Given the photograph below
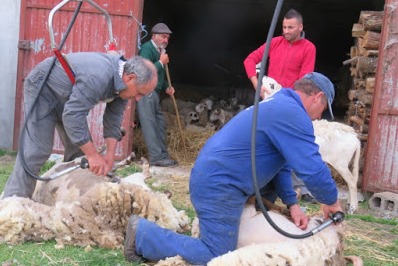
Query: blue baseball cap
326, 86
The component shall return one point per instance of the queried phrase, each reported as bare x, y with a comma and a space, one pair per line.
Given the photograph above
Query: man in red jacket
291, 56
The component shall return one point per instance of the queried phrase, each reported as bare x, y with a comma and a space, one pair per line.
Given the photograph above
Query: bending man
65, 106
221, 179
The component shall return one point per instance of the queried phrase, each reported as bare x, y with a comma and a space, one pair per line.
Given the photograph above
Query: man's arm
97, 163
308, 64
284, 189
250, 63
252, 60
300, 150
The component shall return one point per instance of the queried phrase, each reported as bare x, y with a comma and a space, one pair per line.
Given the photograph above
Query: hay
370, 241
185, 156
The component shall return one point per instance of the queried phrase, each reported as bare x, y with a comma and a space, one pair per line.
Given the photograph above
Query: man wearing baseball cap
149, 111
326, 86
221, 179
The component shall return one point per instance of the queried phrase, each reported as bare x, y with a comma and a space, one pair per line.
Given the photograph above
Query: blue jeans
218, 205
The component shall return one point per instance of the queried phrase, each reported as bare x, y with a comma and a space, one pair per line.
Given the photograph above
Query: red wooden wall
89, 33
381, 165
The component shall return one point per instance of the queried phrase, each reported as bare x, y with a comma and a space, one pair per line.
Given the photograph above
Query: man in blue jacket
64, 106
221, 179
149, 111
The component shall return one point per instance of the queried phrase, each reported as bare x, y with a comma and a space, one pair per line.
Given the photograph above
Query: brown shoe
129, 241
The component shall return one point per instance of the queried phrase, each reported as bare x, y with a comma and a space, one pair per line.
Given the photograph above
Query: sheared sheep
339, 146
260, 244
83, 209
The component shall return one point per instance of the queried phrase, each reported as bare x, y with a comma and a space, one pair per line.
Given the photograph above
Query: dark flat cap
161, 28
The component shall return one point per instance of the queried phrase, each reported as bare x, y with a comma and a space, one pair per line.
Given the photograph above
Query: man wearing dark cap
221, 179
149, 110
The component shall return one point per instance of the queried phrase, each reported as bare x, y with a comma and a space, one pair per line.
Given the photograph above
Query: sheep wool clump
99, 217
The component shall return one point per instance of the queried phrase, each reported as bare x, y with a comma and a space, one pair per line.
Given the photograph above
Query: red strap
112, 47
65, 65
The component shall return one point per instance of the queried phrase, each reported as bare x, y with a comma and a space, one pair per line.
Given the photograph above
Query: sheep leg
270, 206
351, 181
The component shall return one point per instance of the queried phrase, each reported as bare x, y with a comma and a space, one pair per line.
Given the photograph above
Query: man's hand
298, 216
97, 164
170, 91
328, 209
164, 59
264, 92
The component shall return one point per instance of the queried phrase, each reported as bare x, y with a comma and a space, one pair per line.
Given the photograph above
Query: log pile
363, 62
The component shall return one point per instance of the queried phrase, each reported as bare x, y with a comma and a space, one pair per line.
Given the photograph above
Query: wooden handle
175, 105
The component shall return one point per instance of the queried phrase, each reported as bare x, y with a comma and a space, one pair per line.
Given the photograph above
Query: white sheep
83, 209
259, 244
339, 146
97, 218
220, 117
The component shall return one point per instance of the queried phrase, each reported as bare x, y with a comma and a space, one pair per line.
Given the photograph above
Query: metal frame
92, 3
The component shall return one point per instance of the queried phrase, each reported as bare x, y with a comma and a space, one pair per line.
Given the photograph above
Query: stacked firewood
363, 62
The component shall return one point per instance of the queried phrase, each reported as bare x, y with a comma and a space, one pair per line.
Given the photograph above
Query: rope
141, 29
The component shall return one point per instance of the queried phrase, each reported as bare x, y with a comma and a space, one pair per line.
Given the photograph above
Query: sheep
219, 117
184, 107
171, 120
338, 146
259, 244
190, 117
97, 218
271, 85
139, 177
83, 209
200, 107
209, 103
203, 117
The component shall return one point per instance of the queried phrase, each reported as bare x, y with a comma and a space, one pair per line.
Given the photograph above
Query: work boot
308, 198
129, 241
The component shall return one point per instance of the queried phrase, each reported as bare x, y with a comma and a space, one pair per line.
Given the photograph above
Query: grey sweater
97, 80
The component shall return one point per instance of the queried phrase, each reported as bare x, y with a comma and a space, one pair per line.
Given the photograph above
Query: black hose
24, 128
254, 126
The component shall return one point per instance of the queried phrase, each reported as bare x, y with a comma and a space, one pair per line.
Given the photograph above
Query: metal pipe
28, 113
60, 5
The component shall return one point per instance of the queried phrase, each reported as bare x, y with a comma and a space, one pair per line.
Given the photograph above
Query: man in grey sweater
64, 106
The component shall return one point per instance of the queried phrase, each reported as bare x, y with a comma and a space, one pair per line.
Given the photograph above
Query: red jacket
287, 62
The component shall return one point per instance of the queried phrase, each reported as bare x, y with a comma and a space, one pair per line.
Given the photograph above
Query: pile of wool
99, 217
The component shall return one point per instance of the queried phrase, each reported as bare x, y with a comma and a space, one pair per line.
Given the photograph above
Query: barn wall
381, 165
9, 28
89, 33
